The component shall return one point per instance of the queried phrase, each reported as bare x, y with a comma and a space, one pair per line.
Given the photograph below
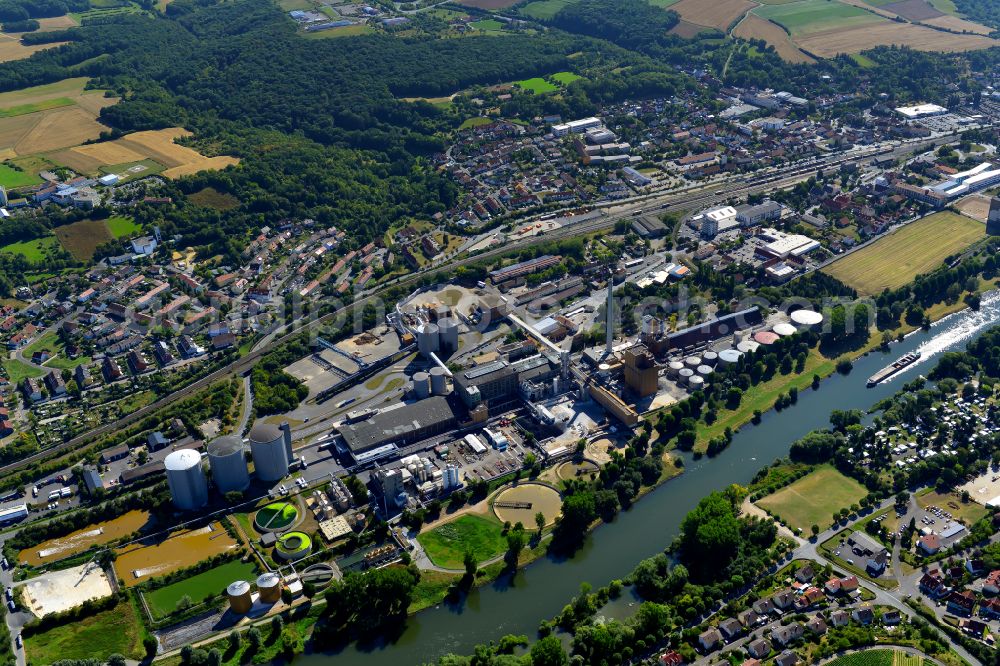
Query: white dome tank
188, 485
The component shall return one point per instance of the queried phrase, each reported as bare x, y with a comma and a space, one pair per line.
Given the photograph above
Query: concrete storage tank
748, 346
269, 452
730, 356
692, 361
428, 339
806, 319
228, 464
784, 330
240, 600
765, 337
448, 328
684, 376
439, 380
710, 358
269, 586
696, 383
421, 385
188, 485
673, 368
705, 370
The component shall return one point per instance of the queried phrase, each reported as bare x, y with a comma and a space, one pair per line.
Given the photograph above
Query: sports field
487, 25
894, 260
213, 582
156, 145
813, 499
447, 544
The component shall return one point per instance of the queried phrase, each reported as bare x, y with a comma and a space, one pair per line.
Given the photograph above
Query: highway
613, 213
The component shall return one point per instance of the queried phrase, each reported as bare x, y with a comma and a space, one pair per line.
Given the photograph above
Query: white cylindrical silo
684, 375
692, 361
439, 380
710, 358
696, 383
228, 464
188, 485
428, 339
729, 356
673, 368
269, 453
449, 333
421, 385
705, 370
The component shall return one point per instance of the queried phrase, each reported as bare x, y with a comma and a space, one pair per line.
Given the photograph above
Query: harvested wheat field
58, 129
11, 48
50, 117
755, 27
854, 40
157, 145
956, 24
687, 30
720, 14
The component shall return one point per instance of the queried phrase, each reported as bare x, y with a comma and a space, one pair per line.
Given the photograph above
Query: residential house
786, 658
933, 586
759, 648
990, 608
783, 635
805, 573
840, 618
817, 625
929, 543
55, 384
671, 658
961, 603
863, 615
975, 566
763, 606
730, 628
751, 618
224, 341
783, 599
82, 376
811, 595
709, 639
992, 583
32, 389
891, 618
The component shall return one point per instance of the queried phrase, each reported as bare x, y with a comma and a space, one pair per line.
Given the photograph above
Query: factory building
271, 450
640, 370
228, 464
496, 384
188, 485
659, 342
398, 426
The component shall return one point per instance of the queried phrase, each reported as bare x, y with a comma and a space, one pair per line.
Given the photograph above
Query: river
541, 590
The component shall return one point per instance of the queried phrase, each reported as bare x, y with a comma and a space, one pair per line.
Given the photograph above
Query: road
613, 213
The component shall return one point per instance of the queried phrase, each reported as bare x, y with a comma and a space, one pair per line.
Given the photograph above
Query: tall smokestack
610, 316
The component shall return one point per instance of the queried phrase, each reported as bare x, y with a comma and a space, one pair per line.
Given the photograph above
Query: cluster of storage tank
421, 472
332, 502
240, 592
432, 382
693, 370
442, 336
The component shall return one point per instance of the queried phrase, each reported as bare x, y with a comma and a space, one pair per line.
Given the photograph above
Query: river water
612, 551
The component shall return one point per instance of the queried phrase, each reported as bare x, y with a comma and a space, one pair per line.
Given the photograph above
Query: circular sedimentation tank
275, 517
806, 318
748, 346
293, 546
784, 330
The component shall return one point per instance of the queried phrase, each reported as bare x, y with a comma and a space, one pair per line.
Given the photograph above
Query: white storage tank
269, 452
421, 385
428, 339
696, 383
188, 485
730, 356
710, 358
806, 319
684, 376
673, 368
439, 380
784, 330
228, 464
705, 370
448, 328
692, 361
748, 346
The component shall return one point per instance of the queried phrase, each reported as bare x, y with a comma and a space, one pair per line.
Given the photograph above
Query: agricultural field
719, 15
755, 27
812, 16
894, 260
50, 117
345, 31
163, 601
814, 498
33, 250
114, 630
686, 30
81, 239
537, 85
544, 9
886, 33
446, 544
12, 178
488, 4
156, 145
212, 198
565, 78
11, 48
956, 24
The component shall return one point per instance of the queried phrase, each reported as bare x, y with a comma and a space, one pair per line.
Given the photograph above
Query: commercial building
716, 221
649, 227
749, 216
966, 182
920, 111
575, 126
524, 268
399, 426
782, 245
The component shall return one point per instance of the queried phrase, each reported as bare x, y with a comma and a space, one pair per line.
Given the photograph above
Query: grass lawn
663, 3
120, 225
536, 85
127, 171
82, 238
33, 250
544, 9
43, 105
115, 630
66, 363
565, 78
447, 544
919, 247
12, 178
812, 499
346, 31
863, 60
17, 371
48, 341
431, 589
812, 16
475, 121
213, 582
968, 512
487, 25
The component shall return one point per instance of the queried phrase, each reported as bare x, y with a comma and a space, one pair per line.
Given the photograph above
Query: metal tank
228, 463
673, 368
730, 356
428, 339
188, 485
710, 358
448, 328
692, 361
269, 453
269, 586
421, 385
696, 383
684, 375
240, 599
439, 380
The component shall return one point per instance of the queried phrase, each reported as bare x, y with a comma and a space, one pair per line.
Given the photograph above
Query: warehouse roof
396, 423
